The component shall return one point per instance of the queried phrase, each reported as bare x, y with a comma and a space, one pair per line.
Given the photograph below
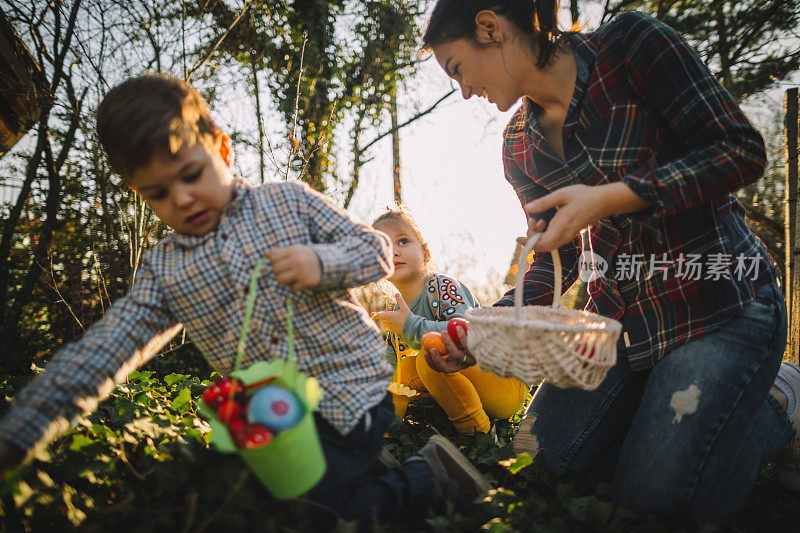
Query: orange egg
433, 341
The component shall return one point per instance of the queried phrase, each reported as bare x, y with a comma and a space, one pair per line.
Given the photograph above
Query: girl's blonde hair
401, 216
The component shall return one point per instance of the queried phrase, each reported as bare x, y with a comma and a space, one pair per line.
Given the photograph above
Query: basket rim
509, 316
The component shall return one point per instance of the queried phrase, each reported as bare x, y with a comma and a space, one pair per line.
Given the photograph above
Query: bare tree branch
200, 62
409, 121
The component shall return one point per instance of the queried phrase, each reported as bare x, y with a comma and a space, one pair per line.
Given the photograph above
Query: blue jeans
356, 488
687, 438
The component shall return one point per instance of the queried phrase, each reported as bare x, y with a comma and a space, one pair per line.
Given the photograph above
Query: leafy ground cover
142, 462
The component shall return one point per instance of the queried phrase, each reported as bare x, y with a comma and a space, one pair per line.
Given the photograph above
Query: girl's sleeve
350, 253
82, 373
723, 151
459, 299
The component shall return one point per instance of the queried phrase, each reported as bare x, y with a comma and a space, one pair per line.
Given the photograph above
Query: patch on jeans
525, 440
684, 402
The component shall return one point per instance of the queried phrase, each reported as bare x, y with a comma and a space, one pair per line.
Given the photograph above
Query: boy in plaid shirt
158, 134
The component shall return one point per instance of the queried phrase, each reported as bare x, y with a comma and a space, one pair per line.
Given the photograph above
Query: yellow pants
470, 397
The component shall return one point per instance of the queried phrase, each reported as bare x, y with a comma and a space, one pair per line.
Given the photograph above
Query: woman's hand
578, 206
456, 360
393, 320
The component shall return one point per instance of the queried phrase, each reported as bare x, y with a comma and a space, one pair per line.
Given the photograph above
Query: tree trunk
398, 190
10, 224
573, 11
357, 155
317, 123
723, 46
792, 281
259, 120
17, 361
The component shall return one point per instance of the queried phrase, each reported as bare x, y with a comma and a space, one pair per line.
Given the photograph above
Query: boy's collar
241, 188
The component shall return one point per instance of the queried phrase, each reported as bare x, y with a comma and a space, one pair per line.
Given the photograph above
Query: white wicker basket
567, 347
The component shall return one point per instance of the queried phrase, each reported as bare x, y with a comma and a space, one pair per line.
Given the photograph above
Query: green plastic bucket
293, 462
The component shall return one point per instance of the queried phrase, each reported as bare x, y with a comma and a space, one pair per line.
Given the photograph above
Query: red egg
228, 411
236, 426
252, 436
222, 390
452, 329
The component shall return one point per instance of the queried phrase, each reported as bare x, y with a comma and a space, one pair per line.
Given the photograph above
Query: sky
452, 177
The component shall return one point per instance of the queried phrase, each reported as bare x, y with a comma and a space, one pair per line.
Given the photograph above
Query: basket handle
519, 289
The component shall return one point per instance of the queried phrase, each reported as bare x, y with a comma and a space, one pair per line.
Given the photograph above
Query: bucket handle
248, 316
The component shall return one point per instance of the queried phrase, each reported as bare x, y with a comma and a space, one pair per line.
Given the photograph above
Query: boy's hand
297, 266
393, 320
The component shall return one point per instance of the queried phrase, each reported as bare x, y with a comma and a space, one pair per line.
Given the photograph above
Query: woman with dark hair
626, 132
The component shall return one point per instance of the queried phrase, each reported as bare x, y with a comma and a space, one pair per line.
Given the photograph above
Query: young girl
471, 398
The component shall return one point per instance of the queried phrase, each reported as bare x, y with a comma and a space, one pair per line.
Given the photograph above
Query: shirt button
224, 236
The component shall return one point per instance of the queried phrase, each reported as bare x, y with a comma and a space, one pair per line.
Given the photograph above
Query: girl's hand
393, 320
456, 360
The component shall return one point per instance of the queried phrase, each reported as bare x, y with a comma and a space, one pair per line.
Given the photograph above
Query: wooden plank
792, 281
23, 88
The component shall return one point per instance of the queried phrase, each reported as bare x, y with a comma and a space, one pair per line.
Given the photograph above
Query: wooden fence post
792, 280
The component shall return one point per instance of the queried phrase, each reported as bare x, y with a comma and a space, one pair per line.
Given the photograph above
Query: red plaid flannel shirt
646, 111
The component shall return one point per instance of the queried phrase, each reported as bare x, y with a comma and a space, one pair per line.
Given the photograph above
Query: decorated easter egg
274, 407
452, 329
433, 341
223, 390
251, 436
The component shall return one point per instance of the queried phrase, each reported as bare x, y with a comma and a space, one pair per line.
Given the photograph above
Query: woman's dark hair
455, 19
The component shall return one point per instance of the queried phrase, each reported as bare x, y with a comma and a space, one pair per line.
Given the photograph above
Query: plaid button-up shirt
646, 111
202, 283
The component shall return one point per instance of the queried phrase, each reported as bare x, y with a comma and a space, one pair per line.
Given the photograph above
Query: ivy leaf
589, 509
79, 442
182, 401
172, 379
140, 375
515, 464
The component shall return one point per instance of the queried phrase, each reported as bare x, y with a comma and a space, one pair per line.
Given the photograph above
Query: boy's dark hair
455, 19
151, 113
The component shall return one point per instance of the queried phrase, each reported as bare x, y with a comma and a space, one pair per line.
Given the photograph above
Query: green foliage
142, 462
321, 59
748, 45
